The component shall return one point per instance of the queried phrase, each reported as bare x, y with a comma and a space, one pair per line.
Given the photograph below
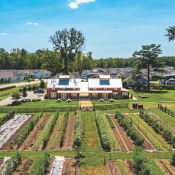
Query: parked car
20, 90
39, 91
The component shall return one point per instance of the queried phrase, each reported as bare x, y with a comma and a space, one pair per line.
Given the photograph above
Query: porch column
100, 95
68, 95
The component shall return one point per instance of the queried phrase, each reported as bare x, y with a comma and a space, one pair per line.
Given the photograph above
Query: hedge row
110, 121
138, 140
40, 165
26, 130
166, 110
50, 129
8, 87
64, 128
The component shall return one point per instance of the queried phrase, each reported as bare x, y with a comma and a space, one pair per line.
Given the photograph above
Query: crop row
110, 121
44, 131
26, 130
122, 168
57, 132
50, 129
135, 136
78, 130
170, 169
155, 143
6, 117
104, 136
165, 145
66, 116
40, 165
112, 138
158, 127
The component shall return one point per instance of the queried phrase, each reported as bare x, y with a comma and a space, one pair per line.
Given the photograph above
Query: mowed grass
91, 140
46, 103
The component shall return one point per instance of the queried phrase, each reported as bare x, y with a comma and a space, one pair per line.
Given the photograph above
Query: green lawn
45, 103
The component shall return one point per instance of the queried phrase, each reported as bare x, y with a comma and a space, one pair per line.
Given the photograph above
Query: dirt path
126, 165
24, 167
48, 147
147, 143
68, 168
112, 168
115, 134
158, 135
126, 141
67, 136
72, 132
50, 167
6, 144
163, 167
33, 134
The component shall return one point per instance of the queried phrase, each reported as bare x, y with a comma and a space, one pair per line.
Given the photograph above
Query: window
115, 93
63, 89
94, 89
105, 89
63, 96
105, 96
124, 93
53, 88
74, 95
74, 89
53, 94
94, 95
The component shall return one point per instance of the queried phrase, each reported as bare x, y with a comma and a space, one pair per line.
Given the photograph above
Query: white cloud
76, 2
29, 23
3, 33
35, 24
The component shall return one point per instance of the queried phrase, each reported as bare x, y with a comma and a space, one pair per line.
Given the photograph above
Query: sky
112, 28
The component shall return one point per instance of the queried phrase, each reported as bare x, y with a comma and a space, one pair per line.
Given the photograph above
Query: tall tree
171, 33
68, 43
148, 58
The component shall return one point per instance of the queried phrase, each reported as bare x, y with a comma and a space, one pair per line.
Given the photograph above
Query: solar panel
104, 83
63, 82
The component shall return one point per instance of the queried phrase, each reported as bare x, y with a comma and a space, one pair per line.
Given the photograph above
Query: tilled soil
50, 167
147, 143
68, 168
163, 167
68, 137
172, 167
127, 141
126, 165
48, 147
112, 168
31, 138
6, 144
24, 167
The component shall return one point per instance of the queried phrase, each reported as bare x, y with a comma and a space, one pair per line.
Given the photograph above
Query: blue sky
112, 28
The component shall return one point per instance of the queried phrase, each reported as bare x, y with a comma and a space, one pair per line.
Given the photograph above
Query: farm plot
69, 167
69, 133
31, 138
124, 141
11, 128
149, 142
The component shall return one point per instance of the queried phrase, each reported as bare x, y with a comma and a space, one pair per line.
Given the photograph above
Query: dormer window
63, 89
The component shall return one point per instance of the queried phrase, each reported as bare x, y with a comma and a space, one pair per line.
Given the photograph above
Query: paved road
23, 84
31, 95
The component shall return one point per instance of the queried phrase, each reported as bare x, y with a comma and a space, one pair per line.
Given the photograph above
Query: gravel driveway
30, 95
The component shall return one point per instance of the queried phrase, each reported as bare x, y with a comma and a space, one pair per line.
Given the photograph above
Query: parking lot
30, 95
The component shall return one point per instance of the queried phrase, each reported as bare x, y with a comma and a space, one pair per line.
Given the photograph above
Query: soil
48, 147
6, 144
112, 168
126, 165
163, 167
1, 161
115, 134
24, 167
147, 144
50, 167
168, 162
68, 168
32, 136
69, 136
125, 139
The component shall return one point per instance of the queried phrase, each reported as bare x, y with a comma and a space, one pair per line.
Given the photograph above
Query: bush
45, 96
35, 100
8, 87
34, 87
6, 117
161, 88
125, 97
14, 103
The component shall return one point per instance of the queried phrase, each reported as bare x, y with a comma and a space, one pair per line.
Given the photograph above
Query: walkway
85, 103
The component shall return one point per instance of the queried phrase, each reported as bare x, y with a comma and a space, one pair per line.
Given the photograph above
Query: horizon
114, 29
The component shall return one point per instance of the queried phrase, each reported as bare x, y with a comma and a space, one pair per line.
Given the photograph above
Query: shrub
16, 103
161, 88
6, 117
45, 96
35, 100
8, 87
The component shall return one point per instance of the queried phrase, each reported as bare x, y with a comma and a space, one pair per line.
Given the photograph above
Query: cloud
3, 33
74, 4
35, 24
29, 23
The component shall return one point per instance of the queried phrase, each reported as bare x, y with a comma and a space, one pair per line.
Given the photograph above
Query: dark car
39, 91
20, 90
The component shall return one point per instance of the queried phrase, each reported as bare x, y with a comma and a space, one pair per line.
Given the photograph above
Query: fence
165, 109
5, 94
108, 107
34, 110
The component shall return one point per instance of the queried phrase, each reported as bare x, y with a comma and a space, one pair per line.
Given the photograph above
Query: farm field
52, 134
